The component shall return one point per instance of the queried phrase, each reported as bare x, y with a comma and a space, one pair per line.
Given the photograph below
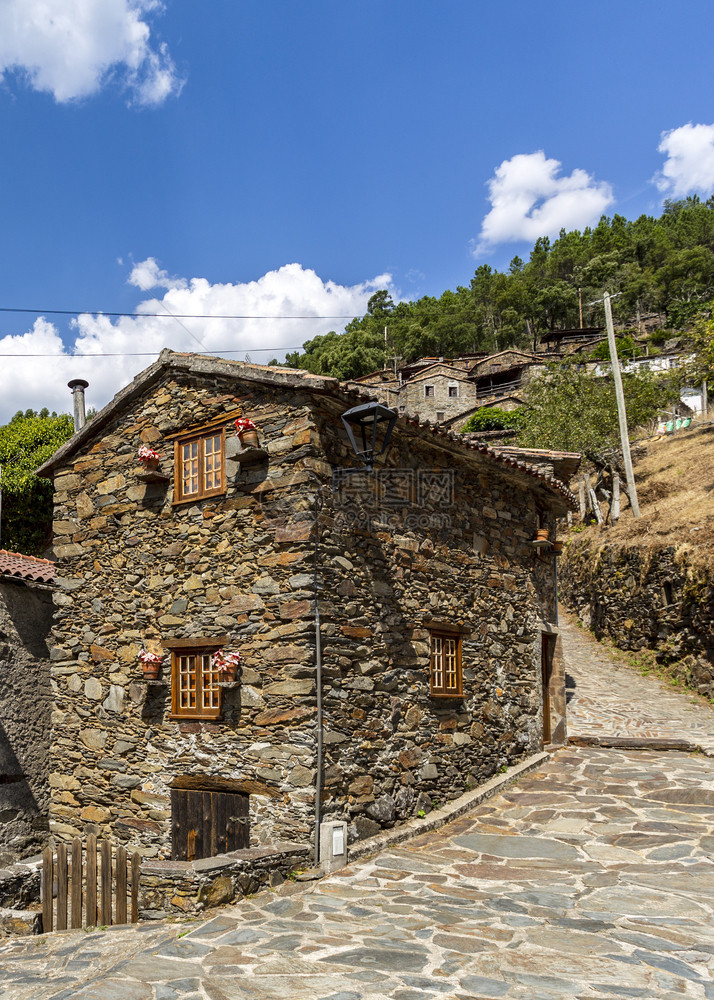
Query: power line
147, 315
150, 354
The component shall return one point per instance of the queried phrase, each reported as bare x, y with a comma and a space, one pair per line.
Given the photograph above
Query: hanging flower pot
542, 535
247, 432
148, 457
226, 664
150, 665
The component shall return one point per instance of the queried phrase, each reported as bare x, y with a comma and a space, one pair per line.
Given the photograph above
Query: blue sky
282, 158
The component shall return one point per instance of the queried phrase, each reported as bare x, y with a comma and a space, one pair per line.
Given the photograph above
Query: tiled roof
26, 567
280, 377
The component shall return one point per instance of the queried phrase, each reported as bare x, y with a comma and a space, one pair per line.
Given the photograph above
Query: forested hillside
659, 265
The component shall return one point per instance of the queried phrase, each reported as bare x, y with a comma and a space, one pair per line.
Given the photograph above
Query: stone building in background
26, 611
437, 606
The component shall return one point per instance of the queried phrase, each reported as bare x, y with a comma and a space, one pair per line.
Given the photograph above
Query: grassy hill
674, 476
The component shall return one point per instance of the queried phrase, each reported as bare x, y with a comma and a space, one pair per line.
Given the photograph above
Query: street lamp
365, 419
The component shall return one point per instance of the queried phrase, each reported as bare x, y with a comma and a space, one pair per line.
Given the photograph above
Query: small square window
195, 691
429, 391
440, 417
445, 665
453, 391
200, 466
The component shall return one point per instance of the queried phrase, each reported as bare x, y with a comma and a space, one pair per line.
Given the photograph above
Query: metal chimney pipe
78, 385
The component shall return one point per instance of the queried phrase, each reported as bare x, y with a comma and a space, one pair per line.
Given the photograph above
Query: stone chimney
78, 385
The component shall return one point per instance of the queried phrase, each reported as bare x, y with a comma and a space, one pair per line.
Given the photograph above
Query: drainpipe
78, 385
555, 582
318, 682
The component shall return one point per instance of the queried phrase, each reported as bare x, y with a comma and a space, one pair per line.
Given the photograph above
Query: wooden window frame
429, 392
438, 683
194, 648
200, 436
453, 392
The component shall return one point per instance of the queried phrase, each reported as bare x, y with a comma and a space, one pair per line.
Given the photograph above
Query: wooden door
206, 823
546, 670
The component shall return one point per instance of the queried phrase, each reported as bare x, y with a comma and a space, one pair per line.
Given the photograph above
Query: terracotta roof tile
26, 567
285, 378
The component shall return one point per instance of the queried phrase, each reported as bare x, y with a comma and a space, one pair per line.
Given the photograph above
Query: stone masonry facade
25, 706
394, 556
655, 598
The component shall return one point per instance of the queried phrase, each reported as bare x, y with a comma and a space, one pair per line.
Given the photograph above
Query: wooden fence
78, 883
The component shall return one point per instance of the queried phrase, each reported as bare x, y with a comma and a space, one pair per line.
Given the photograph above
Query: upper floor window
200, 466
445, 665
195, 691
495, 368
453, 391
428, 391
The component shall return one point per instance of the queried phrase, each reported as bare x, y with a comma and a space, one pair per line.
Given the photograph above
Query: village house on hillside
435, 591
447, 391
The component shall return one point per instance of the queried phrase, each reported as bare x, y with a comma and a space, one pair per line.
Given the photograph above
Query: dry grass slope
675, 488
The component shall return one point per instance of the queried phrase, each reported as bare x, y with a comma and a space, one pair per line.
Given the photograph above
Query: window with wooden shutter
195, 683
200, 466
445, 665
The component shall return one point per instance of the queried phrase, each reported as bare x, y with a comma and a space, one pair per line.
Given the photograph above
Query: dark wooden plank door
546, 668
206, 823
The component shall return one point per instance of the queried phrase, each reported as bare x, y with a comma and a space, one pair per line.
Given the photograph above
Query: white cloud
530, 200
70, 48
689, 166
34, 382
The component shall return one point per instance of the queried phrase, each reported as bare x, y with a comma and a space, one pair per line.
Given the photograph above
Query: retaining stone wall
645, 598
189, 887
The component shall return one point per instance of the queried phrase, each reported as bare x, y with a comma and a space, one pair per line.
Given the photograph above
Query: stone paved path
611, 698
592, 877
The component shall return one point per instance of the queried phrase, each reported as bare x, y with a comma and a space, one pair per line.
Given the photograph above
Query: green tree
701, 341
571, 409
493, 418
25, 443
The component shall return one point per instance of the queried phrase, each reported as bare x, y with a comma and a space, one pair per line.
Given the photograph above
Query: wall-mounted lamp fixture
366, 419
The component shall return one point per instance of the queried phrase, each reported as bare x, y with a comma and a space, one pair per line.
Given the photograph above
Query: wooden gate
206, 823
78, 883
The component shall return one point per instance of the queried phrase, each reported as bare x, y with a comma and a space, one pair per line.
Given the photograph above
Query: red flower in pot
247, 432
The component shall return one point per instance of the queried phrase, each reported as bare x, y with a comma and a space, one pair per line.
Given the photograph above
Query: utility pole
621, 412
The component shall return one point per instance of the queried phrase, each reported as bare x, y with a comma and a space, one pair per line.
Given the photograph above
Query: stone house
26, 611
437, 393
437, 618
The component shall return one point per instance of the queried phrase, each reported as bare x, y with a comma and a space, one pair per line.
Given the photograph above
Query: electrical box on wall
333, 845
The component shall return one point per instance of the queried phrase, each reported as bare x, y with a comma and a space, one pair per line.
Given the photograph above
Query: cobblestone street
609, 698
592, 877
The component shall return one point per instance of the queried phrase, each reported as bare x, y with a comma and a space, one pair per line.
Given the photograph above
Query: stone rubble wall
25, 708
392, 751
645, 598
412, 397
134, 570
189, 887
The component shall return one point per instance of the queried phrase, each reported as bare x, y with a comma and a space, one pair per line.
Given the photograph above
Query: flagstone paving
606, 697
593, 877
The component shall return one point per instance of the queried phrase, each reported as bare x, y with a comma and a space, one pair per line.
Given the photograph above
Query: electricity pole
621, 412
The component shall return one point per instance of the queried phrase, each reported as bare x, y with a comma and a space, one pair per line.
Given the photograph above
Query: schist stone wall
455, 553
25, 706
655, 598
135, 570
413, 396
